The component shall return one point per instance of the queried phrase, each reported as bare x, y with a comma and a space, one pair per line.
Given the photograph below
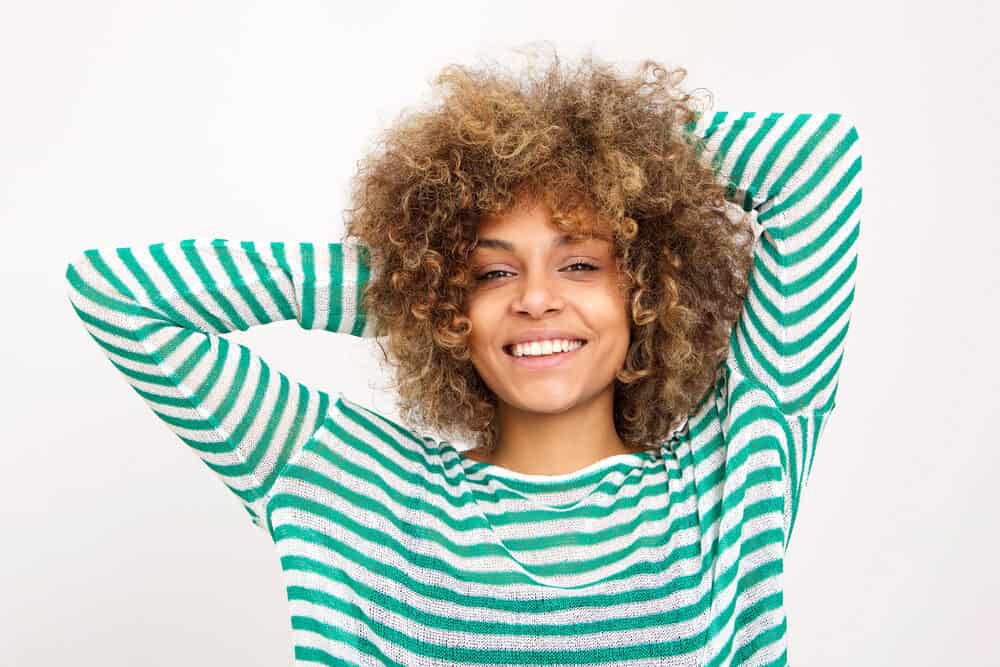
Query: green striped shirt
395, 549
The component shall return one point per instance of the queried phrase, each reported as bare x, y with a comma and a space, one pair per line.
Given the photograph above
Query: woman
634, 310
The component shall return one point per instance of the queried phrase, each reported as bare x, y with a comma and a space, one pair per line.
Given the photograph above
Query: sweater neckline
495, 470
563, 493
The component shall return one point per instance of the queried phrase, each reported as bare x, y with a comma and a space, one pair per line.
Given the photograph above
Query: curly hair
584, 141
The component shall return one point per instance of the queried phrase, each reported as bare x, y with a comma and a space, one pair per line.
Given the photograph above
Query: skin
555, 420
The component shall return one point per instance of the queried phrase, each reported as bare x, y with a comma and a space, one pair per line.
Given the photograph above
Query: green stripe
335, 312
308, 285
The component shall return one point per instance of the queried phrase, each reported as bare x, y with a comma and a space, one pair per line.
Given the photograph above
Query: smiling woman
512, 179
560, 269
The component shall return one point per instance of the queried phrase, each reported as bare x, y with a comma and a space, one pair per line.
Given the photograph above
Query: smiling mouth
509, 349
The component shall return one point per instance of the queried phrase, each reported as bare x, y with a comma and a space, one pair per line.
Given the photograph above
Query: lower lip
547, 361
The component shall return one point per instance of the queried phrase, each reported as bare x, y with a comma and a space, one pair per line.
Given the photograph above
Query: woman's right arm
158, 313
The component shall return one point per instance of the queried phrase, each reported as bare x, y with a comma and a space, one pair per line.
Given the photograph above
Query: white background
136, 122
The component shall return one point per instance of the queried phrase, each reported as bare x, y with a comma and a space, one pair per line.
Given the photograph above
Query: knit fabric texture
395, 549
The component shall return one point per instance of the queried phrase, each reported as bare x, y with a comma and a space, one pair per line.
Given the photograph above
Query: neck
537, 443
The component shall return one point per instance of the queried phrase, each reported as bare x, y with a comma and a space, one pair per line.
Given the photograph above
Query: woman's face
534, 284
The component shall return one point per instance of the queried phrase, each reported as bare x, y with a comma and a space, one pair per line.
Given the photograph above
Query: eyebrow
564, 239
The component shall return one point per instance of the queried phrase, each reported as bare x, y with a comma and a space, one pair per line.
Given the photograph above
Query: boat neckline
500, 471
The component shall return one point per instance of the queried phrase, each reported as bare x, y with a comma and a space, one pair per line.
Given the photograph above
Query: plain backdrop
129, 123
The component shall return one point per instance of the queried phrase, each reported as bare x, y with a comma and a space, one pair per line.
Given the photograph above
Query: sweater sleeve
159, 312
797, 178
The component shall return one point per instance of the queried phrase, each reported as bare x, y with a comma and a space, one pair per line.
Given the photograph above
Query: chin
548, 404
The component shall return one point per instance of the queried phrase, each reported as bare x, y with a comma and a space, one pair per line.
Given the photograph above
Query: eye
590, 267
486, 276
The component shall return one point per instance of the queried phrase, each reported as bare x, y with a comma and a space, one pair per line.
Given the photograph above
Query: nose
538, 294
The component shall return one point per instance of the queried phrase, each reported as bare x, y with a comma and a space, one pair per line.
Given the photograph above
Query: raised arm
158, 313
798, 175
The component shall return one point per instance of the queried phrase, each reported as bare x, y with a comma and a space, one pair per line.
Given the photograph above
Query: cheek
482, 322
610, 319
608, 311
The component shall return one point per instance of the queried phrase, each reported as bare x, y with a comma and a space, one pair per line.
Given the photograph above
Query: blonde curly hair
585, 140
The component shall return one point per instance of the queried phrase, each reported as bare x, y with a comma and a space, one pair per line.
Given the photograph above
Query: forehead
532, 224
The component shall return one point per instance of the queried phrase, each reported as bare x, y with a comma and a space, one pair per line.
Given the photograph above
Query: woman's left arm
798, 178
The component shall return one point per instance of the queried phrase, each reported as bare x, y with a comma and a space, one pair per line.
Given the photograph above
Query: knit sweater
396, 549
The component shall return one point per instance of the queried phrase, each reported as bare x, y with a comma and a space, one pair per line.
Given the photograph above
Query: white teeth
540, 348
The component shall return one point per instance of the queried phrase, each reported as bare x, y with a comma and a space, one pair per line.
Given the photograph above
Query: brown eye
487, 276
590, 267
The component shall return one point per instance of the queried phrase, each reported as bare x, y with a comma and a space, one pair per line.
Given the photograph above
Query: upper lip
529, 335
